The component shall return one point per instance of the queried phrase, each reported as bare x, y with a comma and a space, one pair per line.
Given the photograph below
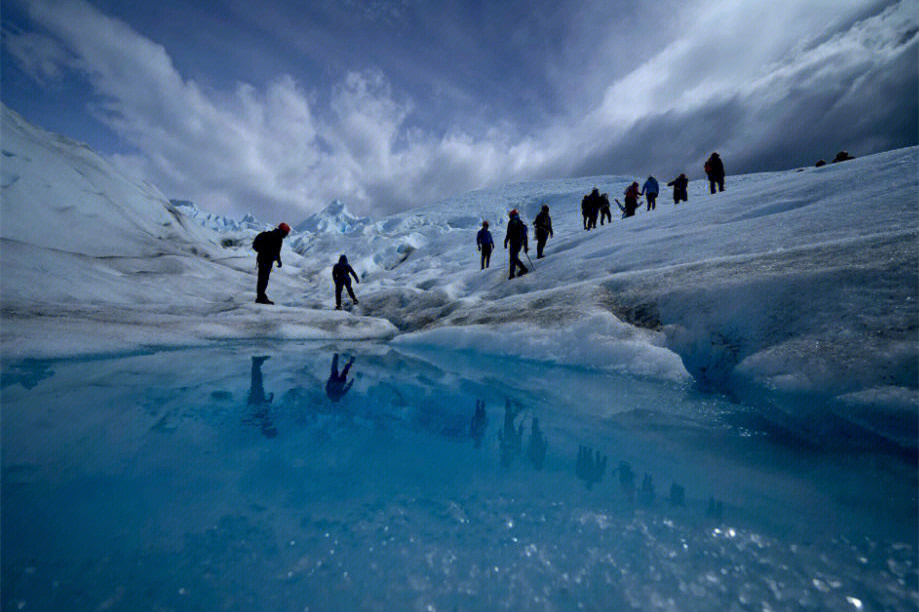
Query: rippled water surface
248, 478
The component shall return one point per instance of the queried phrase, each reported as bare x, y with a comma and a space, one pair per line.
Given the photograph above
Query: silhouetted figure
542, 225
679, 185
516, 237
646, 495
336, 386
479, 423
820, 163
585, 211
715, 508
590, 466
510, 436
714, 169
341, 274
650, 190
605, 214
677, 495
842, 156
267, 245
593, 207
259, 400
484, 243
537, 445
631, 201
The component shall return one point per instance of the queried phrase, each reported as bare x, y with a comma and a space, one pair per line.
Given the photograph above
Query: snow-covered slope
798, 285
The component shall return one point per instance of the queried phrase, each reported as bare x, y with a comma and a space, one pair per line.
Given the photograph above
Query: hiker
517, 237
485, 244
341, 274
631, 200
650, 190
605, 214
585, 211
543, 227
842, 156
679, 185
594, 207
268, 246
714, 168
336, 386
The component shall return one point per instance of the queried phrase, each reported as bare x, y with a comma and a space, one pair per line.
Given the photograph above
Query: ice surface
218, 479
791, 288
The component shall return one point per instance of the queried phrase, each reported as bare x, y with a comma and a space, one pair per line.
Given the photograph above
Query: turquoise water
241, 477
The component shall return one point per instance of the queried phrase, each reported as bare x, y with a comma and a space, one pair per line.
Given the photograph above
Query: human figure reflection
537, 445
510, 436
646, 496
336, 386
259, 400
479, 423
626, 479
590, 466
677, 495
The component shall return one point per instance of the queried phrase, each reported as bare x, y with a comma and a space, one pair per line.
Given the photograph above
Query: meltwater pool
360, 477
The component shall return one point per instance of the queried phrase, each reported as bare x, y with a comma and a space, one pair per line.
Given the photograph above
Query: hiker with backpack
543, 226
650, 190
341, 274
268, 246
605, 214
485, 244
631, 200
714, 169
679, 185
517, 237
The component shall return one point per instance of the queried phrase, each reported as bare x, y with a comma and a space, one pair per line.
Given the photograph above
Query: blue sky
278, 107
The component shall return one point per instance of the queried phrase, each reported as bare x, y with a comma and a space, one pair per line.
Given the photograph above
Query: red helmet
512, 213
284, 228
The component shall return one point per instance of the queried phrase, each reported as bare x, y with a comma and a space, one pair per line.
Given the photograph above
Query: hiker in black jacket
543, 226
484, 243
268, 246
679, 188
341, 274
517, 237
714, 169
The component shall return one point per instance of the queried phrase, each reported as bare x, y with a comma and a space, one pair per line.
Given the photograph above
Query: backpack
259, 243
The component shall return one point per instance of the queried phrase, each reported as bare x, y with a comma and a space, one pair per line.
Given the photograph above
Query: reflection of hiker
590, 466
543, 226
626, 479
679, 185
536, 447
484, 243
605, 214
335, 387
714, 168
268, 246
479, 423
631, 200
341, 274
650, 190
258, 399
517, 237
510, 436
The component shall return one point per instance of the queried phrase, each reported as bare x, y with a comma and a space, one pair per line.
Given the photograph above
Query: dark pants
631, 204
679, 195
264, 271
652, 200
339, 285
586, 221
486, 255
592, 222
515, 261
541, 237
605, 215
716, 180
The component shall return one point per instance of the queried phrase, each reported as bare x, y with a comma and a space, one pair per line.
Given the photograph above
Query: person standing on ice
542, 225
585, 211
631, 199
268, 246
516, 237
650, 190
605, 214
594, 207
341, 274
714, 168
679, 185
485, 244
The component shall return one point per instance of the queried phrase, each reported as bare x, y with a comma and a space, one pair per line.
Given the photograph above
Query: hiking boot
263, 299
338, 308
356, 302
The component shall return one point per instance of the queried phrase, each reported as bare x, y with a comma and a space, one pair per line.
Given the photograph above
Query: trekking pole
532, 265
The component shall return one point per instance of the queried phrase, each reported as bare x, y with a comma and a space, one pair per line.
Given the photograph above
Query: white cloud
282, 153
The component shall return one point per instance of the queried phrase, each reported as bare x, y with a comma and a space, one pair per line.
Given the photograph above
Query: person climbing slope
679, 185
341, 274
650, 190
485, 244
516, 237
542, 224
267, 245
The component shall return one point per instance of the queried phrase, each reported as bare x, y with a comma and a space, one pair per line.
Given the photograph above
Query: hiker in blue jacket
650, 190
485, 244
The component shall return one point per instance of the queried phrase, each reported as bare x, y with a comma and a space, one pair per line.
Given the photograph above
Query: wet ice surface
208, 479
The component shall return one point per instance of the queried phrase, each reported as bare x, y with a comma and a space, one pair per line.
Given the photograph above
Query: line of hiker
516, 238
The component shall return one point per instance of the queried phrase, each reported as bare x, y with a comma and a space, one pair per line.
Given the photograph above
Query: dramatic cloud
768, 85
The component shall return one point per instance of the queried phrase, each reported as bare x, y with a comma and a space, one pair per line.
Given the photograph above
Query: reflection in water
510, 436
28, 373
259, 400
677, 495
590, 466
626, 479
715, 508
646, 495
536, 448
336, 386
479, 423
